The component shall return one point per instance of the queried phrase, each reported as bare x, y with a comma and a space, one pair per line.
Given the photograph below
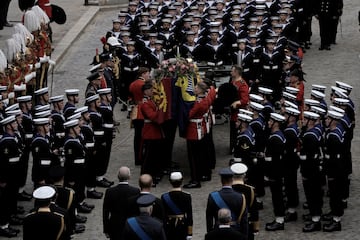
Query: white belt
237, 160
29, 135
270, 67
300, 9
246, 69
327, 156
131, 69
45, 162
14, 159
147, 121
108, 125
98, 133
268, 159
62, 134
256, 60
79, 161
89, 145
303, 157
196, 120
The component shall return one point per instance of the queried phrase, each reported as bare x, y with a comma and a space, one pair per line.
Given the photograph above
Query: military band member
230, 199
178, 210
93, 85
42, 223
274, 170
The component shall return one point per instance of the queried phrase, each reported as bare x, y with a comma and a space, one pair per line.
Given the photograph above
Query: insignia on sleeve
244, 146
6, 151
69, 151
37, 149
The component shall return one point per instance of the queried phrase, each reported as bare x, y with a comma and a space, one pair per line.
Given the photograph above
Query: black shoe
7, 24
103, 183
92, 206
94, 194
108, 181
327, 48
274, 226
312, 227
305, 205
79, 228
7, 232
327, 217
290, 217
192, 185
116, 123
332, 226
16, 220
80, 219
24, 196
205, 178
84, 209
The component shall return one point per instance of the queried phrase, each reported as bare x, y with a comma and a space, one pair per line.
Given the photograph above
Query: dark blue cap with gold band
226, 172
146, 200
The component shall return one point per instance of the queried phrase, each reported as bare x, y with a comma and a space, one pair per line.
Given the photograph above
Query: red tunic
136, 91
151, 129
196, 127
243, 96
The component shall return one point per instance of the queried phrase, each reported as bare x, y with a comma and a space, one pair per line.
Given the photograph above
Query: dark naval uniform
178, 214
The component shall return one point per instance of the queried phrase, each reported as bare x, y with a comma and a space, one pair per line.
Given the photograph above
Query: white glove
43, 60
11, 95
28, 77
188, 237
51, 62
30, 67
37, 65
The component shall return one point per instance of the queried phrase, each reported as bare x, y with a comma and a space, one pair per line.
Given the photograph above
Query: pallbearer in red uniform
195, 132
137, 119
241, 102
152, 135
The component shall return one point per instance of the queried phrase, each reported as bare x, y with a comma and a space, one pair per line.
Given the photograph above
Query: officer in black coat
42, 223
144, 226
115, 205
227, 198
178, 210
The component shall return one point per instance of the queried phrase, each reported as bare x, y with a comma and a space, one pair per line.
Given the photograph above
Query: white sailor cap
292, 111
260, 2
82, 110
277, 117
132, 43
94, 68
70, 92
41, 108
241, 40
341, 101
291, 90
311, 115
26, 98
339, 92
113, 41
116, 20
41, 91
289, 96
43, 114
174, 176
239, 168
335, 115
71, 123
318, 87
244, 117
7, 120
311, 102
92, 98
104, 91
44, 193
256, 98
12, 107
265, 91
282, 11
3, 88
317, 94
74, 116
55, 99
247, 112
343, 85
337, 109
16, 112
166, 20
290, 104
41, 121
256, 106
318, 110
